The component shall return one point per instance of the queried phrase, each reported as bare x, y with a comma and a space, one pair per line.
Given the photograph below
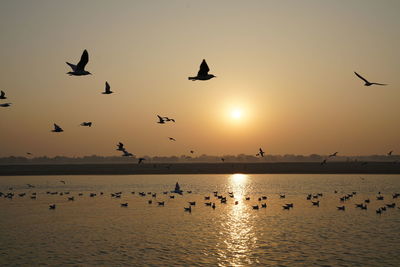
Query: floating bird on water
333, 155
5, 105
3, 95
260, 153
203, 75
52, 207
89, 124
124, 204
367, 83
79, 69
171, 138
57, 129
107, 89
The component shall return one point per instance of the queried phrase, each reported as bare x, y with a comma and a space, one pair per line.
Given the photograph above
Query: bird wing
204, 69
379, 84
56, 127
73, 67
2, 94
84, 60
107, 87
361, 77
160, 118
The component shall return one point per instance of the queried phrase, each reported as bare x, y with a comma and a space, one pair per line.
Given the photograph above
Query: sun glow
236, 114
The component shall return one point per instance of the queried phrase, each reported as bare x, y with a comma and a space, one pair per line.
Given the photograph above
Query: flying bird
172, 139
203, 75
3, 95
79, 69
260, 153
127, 154
367, 83
62, 182
120, 147
29, 153
390, 153
107, 90
333, 155
168, 119
89, 124
161, 119
323, 162
5, 105
140, 160
57, 129
191, 151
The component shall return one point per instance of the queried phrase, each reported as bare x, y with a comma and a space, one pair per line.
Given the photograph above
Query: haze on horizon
284, 70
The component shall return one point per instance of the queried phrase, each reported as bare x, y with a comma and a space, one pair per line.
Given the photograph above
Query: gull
203, 75
390, 153
5, 105
171, 138
3, 95
141, 160
260, 153
57, 129
120, 147
333, 155
79, 69
323, 162
168, 119
161, 119
367, 83
86, 124
107, 90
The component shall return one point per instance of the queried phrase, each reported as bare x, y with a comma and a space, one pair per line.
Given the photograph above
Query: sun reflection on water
238, 235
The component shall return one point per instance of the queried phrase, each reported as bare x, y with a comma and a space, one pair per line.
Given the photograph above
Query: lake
97, 231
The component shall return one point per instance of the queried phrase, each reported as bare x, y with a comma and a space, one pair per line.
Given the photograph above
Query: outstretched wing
379, 84
361, 77
2, 94
204, 69
73, 67
160, 118
107, 87
56, 127
84, 60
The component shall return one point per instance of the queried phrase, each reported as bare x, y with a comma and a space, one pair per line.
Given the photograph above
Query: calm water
97, 231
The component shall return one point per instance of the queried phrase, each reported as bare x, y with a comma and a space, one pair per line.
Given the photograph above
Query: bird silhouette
203, 75
127, 154
3, 95
62, 181
367, 83
57, 129
160, 119
390, 153
79, 69
260, 153
323, 162
333, 155
140, 160
5, 105
107, 89
89, 124
171, 138
168, 119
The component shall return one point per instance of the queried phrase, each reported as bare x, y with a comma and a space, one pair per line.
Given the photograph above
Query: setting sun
236, 114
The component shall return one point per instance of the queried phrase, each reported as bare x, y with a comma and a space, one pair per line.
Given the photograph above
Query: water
97, 231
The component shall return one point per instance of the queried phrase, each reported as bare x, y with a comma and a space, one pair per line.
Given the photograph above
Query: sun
236, 114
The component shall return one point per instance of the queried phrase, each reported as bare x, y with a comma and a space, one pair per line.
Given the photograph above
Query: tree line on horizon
195, 159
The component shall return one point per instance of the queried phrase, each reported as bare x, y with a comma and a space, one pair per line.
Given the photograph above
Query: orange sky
286, 65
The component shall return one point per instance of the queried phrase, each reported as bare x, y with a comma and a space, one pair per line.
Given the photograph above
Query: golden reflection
238, 236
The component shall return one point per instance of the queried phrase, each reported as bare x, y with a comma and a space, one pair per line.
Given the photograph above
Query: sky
284, 82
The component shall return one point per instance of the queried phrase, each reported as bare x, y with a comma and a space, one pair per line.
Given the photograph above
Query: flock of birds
202, 75
314, 199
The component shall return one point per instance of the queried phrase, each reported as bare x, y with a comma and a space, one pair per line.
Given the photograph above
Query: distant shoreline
201, 168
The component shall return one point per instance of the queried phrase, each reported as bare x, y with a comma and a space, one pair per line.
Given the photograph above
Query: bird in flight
161, 120
5, 105
333, 155
260, 153
89, 124
171, 138
323, 162
120, 147
57, 129
62, 182
3, 95
191, 151
203, 75
29, 153
107, 90
79, 69
140, 160
390, 153
367, 83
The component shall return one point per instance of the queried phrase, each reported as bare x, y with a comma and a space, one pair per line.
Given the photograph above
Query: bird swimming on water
203, 75
367, 83
57, 129
107, 89
79, 69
